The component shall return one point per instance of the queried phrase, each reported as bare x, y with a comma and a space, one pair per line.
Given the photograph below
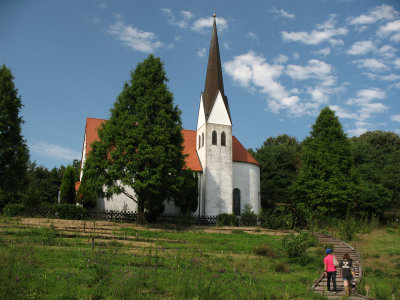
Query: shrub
248, 217
13, 209
278, 218
296, 245
226, 219
70, 212
282, 267
264, 250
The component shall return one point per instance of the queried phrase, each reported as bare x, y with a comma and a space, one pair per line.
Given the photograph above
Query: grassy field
59, 259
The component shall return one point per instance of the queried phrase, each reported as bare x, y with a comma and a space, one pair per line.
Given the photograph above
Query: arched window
214, 138
223, 139
202, 139
199, 141
236, 202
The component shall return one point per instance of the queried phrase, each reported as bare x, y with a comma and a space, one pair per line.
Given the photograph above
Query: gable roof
239, 153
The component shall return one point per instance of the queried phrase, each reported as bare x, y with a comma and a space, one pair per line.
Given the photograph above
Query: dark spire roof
214, 81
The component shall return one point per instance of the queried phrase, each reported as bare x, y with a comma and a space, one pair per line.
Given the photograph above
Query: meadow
60, 259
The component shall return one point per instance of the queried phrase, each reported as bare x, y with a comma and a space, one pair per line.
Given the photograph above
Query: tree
377, 160
326, 184
279, 159
140, 149
13, 150
67, 190
187, 197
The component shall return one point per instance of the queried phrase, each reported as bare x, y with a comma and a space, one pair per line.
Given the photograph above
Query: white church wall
218, 171
246, 177
219, 114
83, 158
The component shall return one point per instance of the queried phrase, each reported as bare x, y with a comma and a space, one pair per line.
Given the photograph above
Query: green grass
42, 263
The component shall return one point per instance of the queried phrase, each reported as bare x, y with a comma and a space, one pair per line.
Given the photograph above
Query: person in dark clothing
347, 270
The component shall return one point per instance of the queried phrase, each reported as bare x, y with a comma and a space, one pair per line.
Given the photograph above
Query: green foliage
296, 245
248, 217
187, 196
67, 190
86, 194
141, 145
279, 160
282, 267
377, 159
13, 209
327, 184
70, 212
14, 153
226, 219
278, 218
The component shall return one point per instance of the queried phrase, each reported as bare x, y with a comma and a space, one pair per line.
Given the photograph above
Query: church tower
214, 138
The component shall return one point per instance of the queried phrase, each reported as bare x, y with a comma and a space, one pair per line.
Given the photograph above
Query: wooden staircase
339, 249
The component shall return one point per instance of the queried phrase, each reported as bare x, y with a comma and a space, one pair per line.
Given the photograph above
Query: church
229, 177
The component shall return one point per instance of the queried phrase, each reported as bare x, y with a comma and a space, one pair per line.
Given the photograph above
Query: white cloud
183, 22
103, 5
391, 77
203, 24
315, 69
281, 59
325, 32
281, 13
365, 96
387, 51
296, 55
397, 63
226, 45
357, 131
361, 47
382, 12
52, 151
396, 118
254, 72
324, 51
201, 52
391, 29
134, 38
372, 64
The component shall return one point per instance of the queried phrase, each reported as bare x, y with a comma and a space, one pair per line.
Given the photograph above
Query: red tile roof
189, 136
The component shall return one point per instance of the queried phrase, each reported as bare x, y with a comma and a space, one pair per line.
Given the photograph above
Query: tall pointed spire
214, 81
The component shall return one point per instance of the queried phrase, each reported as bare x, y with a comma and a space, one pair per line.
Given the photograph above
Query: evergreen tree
67, 190
140, 147
279, 159
326, 184
187, 198
13, 150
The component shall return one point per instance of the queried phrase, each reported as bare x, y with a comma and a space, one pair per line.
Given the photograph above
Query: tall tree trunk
140, 219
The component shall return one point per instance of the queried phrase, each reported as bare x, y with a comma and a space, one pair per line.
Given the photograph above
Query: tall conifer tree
67, 190
326, 183
14, 154
140, 149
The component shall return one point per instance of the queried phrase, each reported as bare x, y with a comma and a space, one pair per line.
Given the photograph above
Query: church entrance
236, 202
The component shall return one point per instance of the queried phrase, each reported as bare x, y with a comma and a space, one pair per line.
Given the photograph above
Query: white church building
229, 177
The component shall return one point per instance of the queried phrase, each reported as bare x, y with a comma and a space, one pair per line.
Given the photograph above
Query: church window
223, 139
199, 141
236, 202
202, 139
214, 138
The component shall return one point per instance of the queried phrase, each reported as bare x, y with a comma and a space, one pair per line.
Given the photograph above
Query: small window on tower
223, 139
202, 139
214, 138
199, 141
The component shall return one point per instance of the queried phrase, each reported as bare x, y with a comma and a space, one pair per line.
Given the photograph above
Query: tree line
327, 174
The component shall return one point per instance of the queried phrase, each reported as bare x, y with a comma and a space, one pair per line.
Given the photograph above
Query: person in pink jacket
330, 270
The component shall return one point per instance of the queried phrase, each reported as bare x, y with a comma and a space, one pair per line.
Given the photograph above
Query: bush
248, 217
264, 250
282, 267
296, 245
226, 219
70, 212
278, 218
13, 209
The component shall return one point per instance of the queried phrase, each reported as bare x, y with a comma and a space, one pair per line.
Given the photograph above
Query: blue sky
282, 62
